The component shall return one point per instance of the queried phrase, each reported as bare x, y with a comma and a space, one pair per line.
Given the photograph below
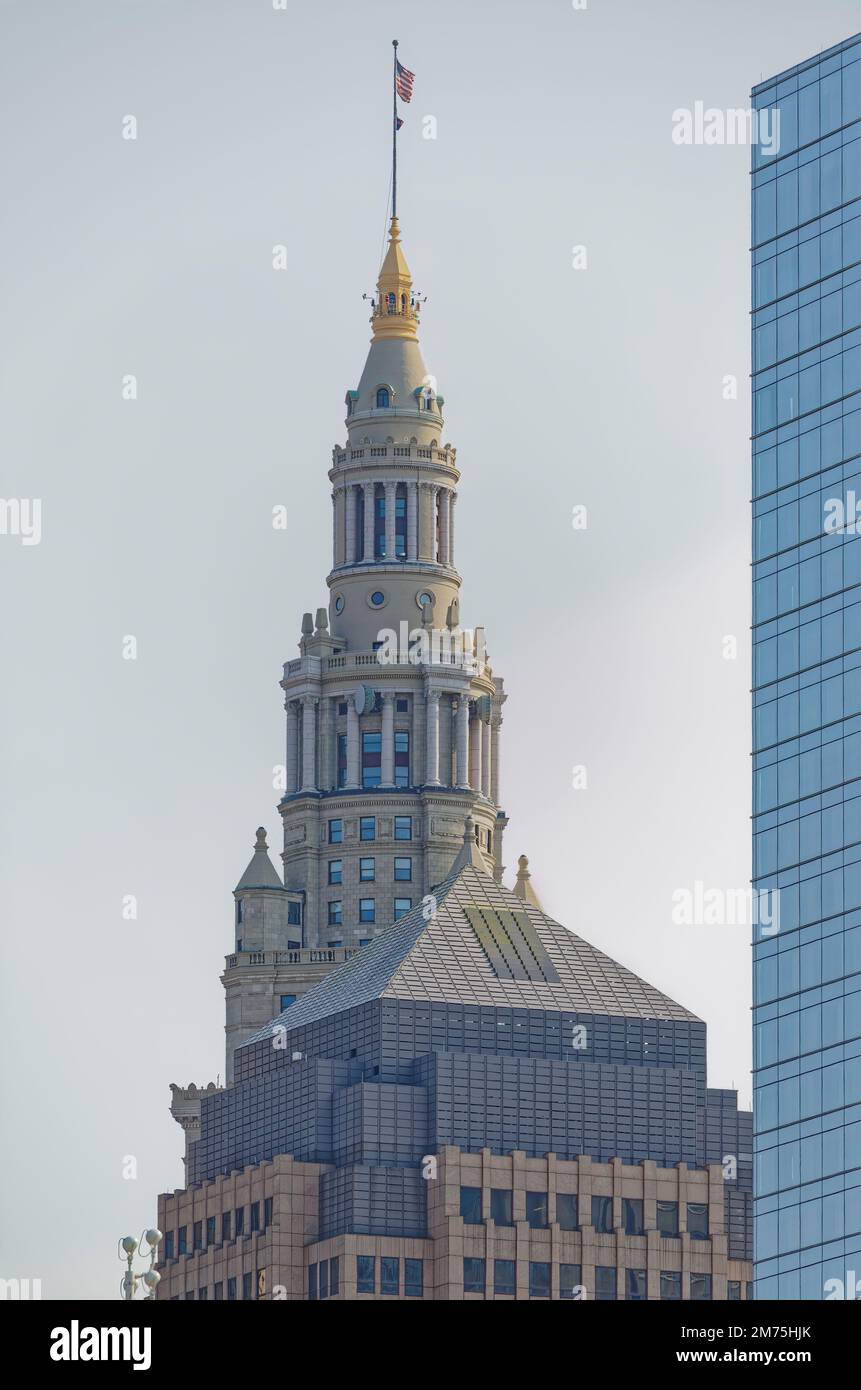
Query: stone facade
282, 1258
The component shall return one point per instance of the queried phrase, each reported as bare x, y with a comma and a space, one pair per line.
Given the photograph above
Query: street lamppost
150, 1278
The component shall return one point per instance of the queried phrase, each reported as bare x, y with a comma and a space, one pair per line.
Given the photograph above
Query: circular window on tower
377, 599
339, 603
425, 598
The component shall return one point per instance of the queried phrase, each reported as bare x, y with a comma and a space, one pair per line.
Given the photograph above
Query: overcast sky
601, 387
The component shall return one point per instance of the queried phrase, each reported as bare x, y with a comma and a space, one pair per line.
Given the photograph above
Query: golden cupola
396, 308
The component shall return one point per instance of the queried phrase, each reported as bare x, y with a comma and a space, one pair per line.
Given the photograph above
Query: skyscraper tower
393, 711
807, 678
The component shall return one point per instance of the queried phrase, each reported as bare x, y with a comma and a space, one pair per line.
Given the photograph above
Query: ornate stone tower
393, 711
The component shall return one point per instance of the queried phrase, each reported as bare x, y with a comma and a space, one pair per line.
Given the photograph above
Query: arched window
382, 398
392, 303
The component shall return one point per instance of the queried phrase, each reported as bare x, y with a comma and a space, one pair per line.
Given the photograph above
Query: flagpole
395, 130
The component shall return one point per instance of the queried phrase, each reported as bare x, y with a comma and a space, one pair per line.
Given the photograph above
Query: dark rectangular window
334, 1276
402, 907
501, 1207
671, 1283
312, 1283
635, 1285
182, 1240
168, 1246
267, 1211
247, 1288
294, 914
364, 941
239, 1221
367, 870
336, 832
698, 1221
413, 1279
342, 760
733, 1290
335, 913
202, 1295
503, 1276
365, 1274
602, 1215
470, 1205
336, 942
402, 706
287, 1000
367, 910
473, 1275
632, 1216
566, 1210
701, 1287
403, 869
570, 1282
231, 1290
210, 1230
605, 1283
539, 1279
668, 1219
336, 871
368, 828
218, 1292
255, 1216
402, 759
403, 827
324, 1279
372, 745
536, 1209
226, 1225
189, 1297
390, 1274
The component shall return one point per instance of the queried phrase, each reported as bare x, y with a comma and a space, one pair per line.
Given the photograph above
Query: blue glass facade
806, 358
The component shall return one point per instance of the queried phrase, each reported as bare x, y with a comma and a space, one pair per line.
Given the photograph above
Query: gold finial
396, 309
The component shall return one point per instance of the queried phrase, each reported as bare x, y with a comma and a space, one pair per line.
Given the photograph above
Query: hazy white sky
601, 387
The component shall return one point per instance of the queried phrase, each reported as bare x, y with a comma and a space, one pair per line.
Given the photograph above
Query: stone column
387, 741
327, 777
432, 759
427, 521
292, 759
353, 761
309, 703
369, 521
485, 758
412, 521
417, 741
444, 501
475, 750
495, 726
462, 775
452, 500
350, 539
391, 493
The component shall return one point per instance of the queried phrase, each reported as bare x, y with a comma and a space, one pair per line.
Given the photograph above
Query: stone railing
307, 955
399, 451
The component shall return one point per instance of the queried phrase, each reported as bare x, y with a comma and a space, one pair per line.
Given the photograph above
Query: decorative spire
261, 872
396, 308
470, 854
523, 887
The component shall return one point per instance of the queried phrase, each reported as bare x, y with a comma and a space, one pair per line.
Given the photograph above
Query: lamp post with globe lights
150, 1278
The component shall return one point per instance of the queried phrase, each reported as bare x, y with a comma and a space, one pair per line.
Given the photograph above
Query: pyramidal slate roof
482, 945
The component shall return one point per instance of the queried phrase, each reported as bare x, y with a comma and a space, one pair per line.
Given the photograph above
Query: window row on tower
382, 521
328, 749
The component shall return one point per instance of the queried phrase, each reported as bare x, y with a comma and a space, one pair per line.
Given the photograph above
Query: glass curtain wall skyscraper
806, 360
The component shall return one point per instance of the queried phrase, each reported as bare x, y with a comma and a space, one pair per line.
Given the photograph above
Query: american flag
404, 82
